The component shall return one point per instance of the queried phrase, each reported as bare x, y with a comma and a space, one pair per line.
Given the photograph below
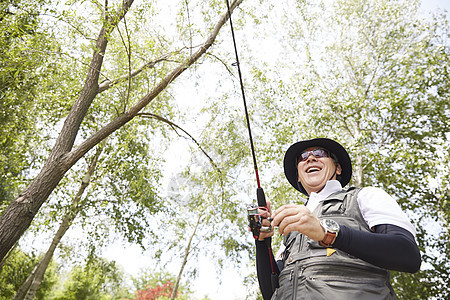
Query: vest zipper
363, 267
295, 273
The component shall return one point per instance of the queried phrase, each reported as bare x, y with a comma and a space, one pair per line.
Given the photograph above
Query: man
342, 243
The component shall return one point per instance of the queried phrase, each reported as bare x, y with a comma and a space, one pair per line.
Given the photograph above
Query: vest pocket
286, 289
289, 283
289, 241
332, 207
346, 289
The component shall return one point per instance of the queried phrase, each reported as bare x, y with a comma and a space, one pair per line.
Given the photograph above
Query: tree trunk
32, 283
18, 215
3, 262
358, 165
183, 264
358, 170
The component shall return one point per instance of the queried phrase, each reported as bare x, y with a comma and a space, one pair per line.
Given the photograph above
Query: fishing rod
259, 191
255, 212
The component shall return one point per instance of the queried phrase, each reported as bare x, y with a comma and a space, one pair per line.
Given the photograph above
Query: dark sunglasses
316, 152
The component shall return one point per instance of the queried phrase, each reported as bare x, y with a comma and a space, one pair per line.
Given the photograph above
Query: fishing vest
314, 272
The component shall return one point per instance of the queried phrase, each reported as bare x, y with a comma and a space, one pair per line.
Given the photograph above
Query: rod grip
261, 197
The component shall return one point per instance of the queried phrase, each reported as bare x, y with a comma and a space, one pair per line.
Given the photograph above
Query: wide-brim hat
294, 151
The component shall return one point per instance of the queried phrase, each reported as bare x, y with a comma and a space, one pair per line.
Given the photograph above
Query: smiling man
314, 169
342, 243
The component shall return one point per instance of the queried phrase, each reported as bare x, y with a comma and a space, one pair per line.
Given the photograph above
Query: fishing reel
255, 217
256, 214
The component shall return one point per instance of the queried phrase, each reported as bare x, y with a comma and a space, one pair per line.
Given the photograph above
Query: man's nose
311, 157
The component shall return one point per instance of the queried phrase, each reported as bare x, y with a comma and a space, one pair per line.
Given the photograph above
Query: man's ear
338, 169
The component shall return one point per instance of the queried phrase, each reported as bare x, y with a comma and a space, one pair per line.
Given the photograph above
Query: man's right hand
266, 223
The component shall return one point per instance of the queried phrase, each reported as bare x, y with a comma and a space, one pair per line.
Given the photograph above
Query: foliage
152, 285
22, 39
124, 192
373, 76
163, 291
125, 189
96, 279
16, 270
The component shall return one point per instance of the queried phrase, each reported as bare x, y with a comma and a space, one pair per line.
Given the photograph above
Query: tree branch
185, 258
72, 157
174, 126
107, 84
66, 138
225, 65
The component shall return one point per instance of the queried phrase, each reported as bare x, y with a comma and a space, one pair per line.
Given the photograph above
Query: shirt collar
331, 187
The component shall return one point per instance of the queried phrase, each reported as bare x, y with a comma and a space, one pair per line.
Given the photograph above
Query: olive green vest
314, 272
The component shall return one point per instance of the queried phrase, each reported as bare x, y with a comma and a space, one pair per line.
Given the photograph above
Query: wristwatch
331, 228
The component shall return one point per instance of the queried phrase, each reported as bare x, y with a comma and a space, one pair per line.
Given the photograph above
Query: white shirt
377, 207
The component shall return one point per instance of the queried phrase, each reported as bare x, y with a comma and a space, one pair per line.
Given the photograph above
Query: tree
122, 197
157, 285
17, 217
17, 268
97, 279
34, 279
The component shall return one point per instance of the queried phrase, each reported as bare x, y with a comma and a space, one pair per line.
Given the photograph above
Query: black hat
294, 151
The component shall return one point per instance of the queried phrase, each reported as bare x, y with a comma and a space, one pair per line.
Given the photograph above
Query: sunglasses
316, 152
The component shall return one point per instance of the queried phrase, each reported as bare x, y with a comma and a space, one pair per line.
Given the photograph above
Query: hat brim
294, 151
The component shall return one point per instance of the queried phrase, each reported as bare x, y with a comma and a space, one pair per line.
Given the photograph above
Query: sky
433, 5
231, 286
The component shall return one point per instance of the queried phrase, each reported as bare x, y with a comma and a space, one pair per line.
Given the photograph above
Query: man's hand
266, 223
299, 218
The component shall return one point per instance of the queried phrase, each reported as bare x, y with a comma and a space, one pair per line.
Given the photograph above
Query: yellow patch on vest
330, 251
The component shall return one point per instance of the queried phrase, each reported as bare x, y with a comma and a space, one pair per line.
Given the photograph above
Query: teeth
313, 170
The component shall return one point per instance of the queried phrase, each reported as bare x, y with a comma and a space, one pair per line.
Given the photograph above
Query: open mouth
313, 169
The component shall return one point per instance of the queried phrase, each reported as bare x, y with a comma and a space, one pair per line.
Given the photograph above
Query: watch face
331, 225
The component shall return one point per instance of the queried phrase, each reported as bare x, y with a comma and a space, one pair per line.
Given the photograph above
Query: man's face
314, 172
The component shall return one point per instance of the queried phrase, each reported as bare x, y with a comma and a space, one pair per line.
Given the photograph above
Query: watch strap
328, 240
